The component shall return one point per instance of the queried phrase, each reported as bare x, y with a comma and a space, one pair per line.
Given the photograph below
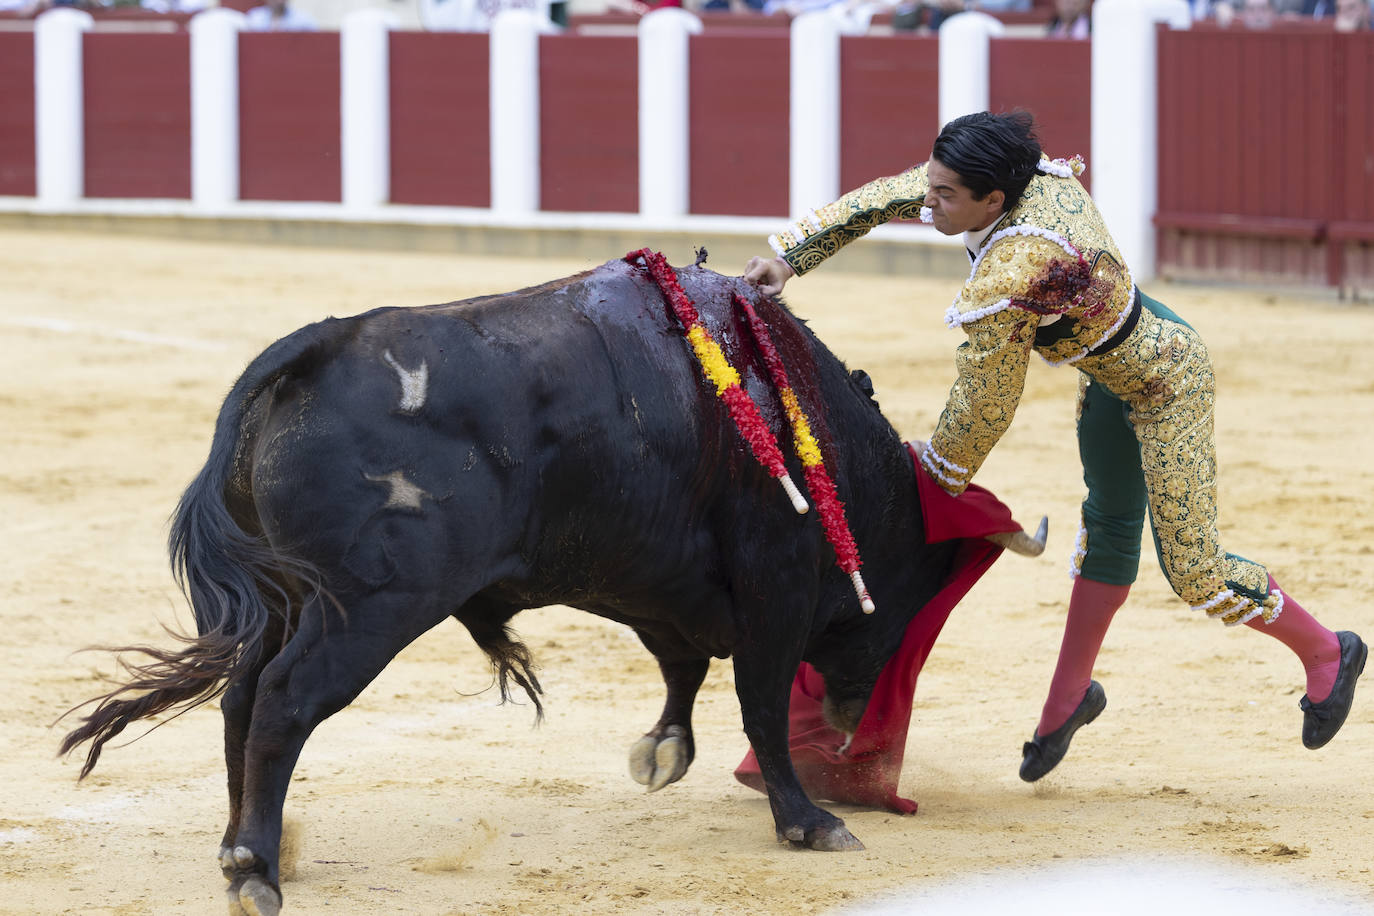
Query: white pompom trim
1062, 168
1080, 550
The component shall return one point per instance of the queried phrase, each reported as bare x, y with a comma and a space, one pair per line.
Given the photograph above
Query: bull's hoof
655, 762
235, 860
257, 897
249, 893
835, 838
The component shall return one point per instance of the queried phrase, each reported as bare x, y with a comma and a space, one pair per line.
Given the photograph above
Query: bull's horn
1022, 543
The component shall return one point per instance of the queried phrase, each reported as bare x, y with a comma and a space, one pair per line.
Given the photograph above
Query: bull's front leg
764, 690
665, 752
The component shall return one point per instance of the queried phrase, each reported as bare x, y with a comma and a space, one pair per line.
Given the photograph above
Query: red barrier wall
589, 123
137, 90
16, 115
1350, 262
440, 119
1052, 79
739, 121
889, 105
1266, 169
1354, 188
1248, 168
289, 116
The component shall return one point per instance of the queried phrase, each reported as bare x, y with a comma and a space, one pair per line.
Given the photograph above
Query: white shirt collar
974, 240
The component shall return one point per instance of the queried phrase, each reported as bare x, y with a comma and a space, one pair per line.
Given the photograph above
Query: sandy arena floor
427, 797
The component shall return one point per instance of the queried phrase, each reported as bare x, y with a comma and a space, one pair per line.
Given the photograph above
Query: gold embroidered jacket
1049, 261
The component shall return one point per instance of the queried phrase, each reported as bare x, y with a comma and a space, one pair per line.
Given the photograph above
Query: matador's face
953, 208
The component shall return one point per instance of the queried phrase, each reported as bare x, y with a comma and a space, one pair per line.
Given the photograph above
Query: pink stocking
1091, 608
1315, 645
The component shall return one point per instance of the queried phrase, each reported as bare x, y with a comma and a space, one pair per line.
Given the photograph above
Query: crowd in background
1057, 18
272, 15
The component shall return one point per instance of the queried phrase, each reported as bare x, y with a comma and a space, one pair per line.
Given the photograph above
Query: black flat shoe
1040, 755
1321, 721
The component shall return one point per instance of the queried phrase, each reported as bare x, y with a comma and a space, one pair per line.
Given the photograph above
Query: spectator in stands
733, 6
1221, 11
638, 7
478, 15
940, 10
924, 15
856, 15
278, 16
34, 7
174, 6
1352, 16
1257, 14
1072, 19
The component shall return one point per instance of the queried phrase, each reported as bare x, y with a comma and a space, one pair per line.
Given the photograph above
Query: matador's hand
768, 274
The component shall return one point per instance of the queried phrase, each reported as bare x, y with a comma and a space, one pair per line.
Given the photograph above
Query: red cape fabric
866, 773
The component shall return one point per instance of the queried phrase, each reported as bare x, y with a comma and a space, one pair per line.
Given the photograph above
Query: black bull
371, 476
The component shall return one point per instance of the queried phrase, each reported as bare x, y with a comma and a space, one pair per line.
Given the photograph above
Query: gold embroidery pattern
1163, 373
804, 246
1004, 272
992, 374
1051, 211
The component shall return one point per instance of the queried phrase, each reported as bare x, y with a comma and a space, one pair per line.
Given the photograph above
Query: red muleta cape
866, 773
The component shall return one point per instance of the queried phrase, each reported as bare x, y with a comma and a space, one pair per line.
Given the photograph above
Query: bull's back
549, 437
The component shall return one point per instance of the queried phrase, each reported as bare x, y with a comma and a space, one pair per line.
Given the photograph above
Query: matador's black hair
991, 152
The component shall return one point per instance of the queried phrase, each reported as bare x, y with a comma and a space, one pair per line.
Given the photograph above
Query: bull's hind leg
326, 664
666, 751
236, 706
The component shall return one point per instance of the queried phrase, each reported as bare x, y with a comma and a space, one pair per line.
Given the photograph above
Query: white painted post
814, 156
1125, 129
365, 107
965, 41
215, 107
664, 76
59, 106
515, 111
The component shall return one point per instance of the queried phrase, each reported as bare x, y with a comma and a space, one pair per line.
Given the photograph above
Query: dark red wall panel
1249, 170
889, 105
137, 90
1259, 141
739, 123
589, 123
289, 116
440, 119
1052, 79
16, 115
1354, 187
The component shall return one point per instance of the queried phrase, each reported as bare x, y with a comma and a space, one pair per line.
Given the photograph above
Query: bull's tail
234, 580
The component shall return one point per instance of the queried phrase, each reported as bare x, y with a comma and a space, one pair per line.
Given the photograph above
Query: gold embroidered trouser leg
1163, 373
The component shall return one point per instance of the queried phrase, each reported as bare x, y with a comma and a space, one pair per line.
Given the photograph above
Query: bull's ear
861, 378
